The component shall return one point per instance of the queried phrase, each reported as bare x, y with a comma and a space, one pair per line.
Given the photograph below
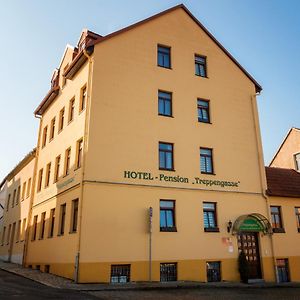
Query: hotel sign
251, 225
147, 176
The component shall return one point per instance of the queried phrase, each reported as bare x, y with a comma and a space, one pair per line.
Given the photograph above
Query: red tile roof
283, 182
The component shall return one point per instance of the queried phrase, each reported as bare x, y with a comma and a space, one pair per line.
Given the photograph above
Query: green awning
252, 222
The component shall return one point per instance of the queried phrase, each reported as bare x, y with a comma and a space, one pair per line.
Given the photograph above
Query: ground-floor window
47, 269
213, 271
283, 270
120, 273
168, 272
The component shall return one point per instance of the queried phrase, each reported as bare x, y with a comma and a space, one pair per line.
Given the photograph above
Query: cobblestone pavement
17, 287
288, 293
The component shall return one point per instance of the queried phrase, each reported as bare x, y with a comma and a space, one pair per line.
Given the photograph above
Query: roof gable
293, 129
258, 88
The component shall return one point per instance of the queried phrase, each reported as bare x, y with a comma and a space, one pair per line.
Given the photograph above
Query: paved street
16, 287
204, 294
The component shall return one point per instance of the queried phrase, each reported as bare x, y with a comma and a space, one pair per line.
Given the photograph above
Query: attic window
64, 79
297, 161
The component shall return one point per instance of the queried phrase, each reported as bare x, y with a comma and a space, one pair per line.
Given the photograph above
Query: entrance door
248, 243
11, 243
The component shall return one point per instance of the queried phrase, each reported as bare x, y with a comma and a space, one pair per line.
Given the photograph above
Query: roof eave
51, 95
78, 62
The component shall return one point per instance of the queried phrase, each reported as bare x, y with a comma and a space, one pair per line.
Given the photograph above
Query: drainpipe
24, 260
87, 52
262, 172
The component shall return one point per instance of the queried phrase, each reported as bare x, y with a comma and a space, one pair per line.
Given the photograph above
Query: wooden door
248, 243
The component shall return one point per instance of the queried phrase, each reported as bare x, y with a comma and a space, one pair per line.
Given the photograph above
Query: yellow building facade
149, 161
16, 210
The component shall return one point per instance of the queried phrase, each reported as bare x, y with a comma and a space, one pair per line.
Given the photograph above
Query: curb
157, 286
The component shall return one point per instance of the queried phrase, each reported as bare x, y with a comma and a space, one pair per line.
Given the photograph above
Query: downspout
88, 54
24, 262
262, 173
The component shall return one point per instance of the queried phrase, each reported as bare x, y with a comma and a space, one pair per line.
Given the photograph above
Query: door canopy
252, 222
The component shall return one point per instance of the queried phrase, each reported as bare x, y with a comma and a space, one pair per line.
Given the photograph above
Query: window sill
59, 131
50, 140
161, 115
60, 234
278, 230
212, 229
202, 76
168, 229
72, 232
81, 111
206, 173
171, 170
70, 121
50, 237
77, 168
200, 121
168, 68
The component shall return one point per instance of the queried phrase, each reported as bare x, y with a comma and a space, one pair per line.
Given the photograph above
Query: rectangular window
44, 136
200, 66
61, 119
8, 234
168, 272
14, 198
74, 220
213, 271
23, 190
8, 202
164, 56
40, 179
79, 151
57, 166
206, 161
167, 215
82, 103
203, 111
276, 219
165, 103
120, 273
210, 217
34, 228
67, 161
71, 109
282, 266
166, 161
3, 236
62, 219
52, 220
297, 211
28, 188
297, 161
18, 236
18, 195
42, 225
52, 129
23, 229
48, 173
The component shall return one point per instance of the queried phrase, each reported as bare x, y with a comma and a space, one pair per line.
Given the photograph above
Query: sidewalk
63, 283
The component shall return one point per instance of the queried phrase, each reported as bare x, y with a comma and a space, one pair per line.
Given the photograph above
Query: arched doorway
247, 228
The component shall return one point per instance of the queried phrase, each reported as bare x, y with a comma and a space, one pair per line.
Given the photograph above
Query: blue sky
263, 35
